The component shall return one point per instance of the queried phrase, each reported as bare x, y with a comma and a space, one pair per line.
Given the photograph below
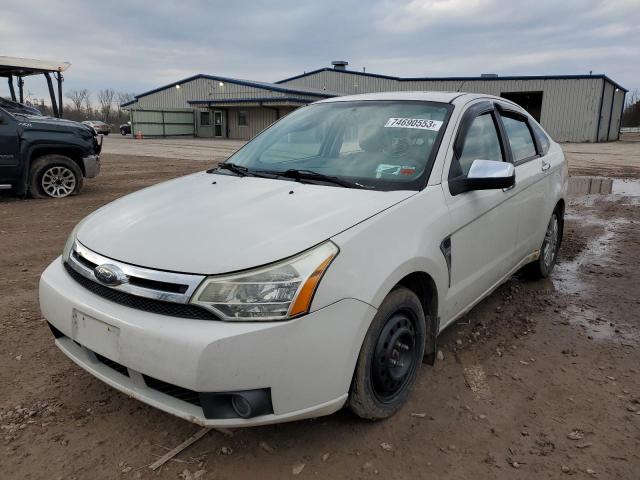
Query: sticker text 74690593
420, 123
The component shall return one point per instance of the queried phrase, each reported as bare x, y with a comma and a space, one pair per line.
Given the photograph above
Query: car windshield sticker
386, 169
419, 123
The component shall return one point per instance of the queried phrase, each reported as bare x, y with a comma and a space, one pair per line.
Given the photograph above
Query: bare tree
105, 98
123, 97
87, 106
78, 98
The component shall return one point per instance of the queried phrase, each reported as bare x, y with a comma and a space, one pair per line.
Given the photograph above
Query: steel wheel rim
550, 241
394, 358
58, 181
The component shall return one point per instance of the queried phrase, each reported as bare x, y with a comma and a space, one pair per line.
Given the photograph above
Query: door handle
545, 166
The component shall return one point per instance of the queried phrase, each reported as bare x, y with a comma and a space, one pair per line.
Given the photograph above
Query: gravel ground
540, 380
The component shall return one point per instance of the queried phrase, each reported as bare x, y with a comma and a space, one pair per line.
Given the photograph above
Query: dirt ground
540, 380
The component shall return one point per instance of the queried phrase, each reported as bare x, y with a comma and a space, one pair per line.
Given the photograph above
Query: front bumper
307, 363
91, 165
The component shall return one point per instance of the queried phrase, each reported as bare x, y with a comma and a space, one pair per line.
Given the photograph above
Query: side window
520, 139
543, 139
205, 118
482, 143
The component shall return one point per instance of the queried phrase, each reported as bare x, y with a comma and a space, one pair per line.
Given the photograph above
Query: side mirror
484, 175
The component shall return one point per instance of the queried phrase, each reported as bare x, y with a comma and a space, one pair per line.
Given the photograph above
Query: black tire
123, 131
397, 334
107, 133
49, 167
543, 266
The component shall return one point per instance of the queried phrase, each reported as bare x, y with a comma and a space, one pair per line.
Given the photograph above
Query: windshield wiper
232, 167
299, 175
240, 170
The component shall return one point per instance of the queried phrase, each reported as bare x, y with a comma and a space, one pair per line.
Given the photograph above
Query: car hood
36, 122
212, 223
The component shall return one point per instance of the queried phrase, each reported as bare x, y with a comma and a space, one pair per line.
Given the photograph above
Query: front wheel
123, 131
390, 357
543, 267
54, 176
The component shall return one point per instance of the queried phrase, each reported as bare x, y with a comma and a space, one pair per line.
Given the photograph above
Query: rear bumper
91, 165
307, 363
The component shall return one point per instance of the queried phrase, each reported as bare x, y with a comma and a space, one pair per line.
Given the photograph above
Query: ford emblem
109, 275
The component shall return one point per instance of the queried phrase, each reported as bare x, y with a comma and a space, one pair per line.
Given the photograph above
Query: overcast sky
134, 46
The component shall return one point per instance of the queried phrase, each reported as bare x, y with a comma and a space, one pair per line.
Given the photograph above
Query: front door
217, 123
9, 153
484, 226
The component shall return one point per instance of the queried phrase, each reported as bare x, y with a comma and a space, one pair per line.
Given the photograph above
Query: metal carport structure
22, 67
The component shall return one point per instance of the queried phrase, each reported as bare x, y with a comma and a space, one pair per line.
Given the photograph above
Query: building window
243, 118
205, 118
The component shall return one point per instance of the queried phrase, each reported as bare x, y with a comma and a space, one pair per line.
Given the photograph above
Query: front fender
377, 253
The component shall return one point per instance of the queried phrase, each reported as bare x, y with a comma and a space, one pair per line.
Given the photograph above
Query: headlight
277, 292
69, 245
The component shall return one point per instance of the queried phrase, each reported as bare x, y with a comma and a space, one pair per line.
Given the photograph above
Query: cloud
134, 45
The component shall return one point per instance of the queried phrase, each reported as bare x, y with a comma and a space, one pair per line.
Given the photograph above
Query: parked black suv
45, 156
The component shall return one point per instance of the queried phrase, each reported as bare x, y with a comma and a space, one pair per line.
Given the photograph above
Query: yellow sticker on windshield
419, 123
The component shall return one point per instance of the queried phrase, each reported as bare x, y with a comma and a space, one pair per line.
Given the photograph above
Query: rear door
481, 244
530, 191
9, 153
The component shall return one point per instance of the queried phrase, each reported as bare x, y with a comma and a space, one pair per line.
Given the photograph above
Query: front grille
138, 281
174, 391
141, 303
113, 365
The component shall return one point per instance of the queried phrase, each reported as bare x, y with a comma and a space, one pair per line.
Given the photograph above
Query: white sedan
316, 267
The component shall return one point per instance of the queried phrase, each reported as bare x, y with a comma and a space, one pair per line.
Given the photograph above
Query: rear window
520, 139
543, 139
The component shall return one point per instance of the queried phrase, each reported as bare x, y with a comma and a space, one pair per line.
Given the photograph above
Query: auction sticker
419, 123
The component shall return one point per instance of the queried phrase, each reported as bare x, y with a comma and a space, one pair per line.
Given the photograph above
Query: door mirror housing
484, 175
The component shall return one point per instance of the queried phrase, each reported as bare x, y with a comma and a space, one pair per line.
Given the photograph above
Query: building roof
462, 79
313, 92
28, 66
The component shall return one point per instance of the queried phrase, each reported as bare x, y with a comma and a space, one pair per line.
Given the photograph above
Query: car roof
425, 96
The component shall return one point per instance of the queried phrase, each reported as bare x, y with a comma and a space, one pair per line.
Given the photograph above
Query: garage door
162, 123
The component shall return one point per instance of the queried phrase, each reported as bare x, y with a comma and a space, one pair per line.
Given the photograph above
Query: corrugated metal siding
207, 89
605, 112
569, 106
259, 119
614, 130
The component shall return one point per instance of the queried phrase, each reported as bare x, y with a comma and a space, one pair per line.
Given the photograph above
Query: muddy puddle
603, 186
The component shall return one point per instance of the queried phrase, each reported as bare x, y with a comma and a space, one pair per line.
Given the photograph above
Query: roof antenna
461, 85
364, 69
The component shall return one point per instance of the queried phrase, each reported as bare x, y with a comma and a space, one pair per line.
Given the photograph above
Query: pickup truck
44, 156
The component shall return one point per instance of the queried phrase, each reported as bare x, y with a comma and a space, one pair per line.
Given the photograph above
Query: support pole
60, 102
52, 94
21, 89
11, 89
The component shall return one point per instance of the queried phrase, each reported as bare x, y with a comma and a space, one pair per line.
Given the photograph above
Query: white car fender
401, 240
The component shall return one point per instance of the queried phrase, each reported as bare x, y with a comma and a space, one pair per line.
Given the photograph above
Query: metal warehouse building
572, 108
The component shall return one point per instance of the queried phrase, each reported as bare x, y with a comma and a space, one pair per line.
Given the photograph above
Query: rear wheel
54, 176
543, 267
390, 357
123, 131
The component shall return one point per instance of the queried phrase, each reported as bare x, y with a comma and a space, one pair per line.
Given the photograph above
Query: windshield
385, 145
18, 108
